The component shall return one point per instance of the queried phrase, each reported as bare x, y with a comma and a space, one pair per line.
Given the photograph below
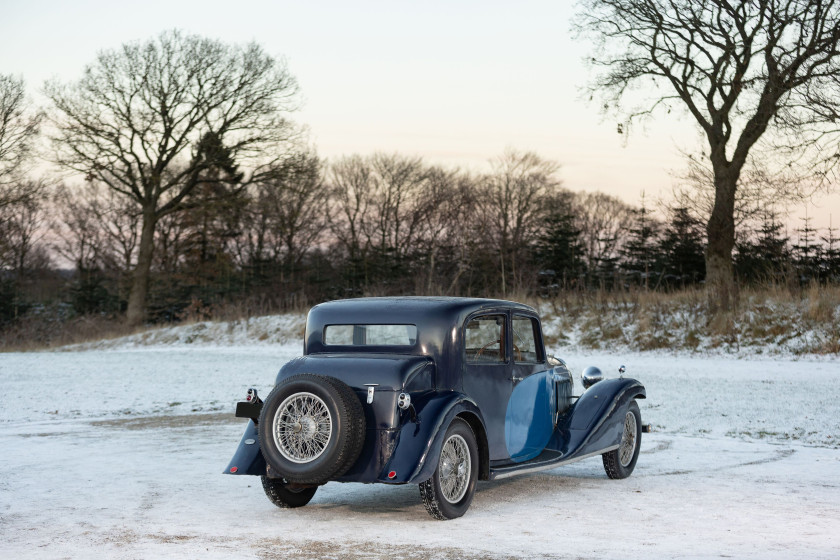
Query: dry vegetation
47, 331
767, 320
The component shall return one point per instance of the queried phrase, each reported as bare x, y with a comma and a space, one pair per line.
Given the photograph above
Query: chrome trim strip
548, 465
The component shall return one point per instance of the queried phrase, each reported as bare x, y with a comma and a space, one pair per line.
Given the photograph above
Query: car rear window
370, 335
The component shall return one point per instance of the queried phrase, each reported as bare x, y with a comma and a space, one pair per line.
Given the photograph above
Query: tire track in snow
778, 455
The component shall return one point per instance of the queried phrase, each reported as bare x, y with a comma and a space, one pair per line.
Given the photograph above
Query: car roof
407, 309
434, 317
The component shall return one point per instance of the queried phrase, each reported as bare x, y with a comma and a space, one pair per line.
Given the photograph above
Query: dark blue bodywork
524, 415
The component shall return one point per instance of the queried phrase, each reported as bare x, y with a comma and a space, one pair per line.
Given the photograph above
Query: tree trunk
136, 313
720, 230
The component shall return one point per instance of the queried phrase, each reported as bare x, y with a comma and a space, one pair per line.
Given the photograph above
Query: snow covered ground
118, 454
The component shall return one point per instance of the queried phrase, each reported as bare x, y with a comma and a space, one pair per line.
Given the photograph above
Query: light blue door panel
529, 420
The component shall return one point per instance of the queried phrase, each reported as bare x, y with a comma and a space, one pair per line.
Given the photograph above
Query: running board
547, 464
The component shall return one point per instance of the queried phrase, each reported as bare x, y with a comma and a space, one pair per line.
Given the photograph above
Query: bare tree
351, 183
603, 221
22, 229
733, 66
95, 227
446, 213
20, 207
18, 129
80, 234
759, 189
291, 203
512, 198
136, 119
398, 209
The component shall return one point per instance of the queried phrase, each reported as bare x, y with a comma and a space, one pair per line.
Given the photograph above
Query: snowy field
118, 454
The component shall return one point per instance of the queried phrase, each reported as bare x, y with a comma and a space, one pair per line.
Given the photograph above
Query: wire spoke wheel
620, 462
627, 447
302, 427
450, 490
454, 468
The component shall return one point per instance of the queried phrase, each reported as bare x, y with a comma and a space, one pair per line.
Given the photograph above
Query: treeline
188, 189
384, 224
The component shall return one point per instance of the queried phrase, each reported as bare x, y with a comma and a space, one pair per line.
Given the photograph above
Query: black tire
319, 433
434, 491
282, 496
619, 463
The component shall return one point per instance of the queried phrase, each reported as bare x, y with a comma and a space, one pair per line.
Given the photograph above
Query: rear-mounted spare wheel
311, 429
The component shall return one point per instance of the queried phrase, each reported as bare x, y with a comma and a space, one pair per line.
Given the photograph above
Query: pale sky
455, 82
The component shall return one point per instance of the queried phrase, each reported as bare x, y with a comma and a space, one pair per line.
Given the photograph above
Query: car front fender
418, 446
595, 422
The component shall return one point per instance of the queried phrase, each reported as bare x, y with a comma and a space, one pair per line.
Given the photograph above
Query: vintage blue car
439, 392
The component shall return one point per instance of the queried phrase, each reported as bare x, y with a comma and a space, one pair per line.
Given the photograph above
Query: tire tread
278, 495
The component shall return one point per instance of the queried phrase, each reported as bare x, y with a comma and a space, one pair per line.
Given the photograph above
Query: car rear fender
415, 455
247, 459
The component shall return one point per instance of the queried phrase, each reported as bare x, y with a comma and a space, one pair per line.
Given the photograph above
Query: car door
487, 376
529, 417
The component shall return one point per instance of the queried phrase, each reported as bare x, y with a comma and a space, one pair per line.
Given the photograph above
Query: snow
765, 330
273, 330
118, 453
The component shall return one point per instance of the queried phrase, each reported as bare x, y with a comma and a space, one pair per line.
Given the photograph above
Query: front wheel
619, 463
449, 493
284, 495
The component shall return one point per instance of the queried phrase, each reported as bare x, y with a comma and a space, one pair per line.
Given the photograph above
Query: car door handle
515, 378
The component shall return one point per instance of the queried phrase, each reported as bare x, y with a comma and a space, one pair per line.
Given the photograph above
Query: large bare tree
18, 130
733, 65
137, 119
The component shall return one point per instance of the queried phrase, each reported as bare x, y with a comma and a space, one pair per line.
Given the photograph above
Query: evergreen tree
605, 268
639, 256
767, 256
807, 253
831, 255
195, 262
681, 249
559, 251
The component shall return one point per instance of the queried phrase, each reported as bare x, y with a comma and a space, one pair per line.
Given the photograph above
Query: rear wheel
449, 493
619, 463
283, 495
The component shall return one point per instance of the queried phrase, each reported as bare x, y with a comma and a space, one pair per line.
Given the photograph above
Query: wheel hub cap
627, 447
302, 427
454, 469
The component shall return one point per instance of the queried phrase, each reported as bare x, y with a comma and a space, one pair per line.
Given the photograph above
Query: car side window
485, 339
524, 340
